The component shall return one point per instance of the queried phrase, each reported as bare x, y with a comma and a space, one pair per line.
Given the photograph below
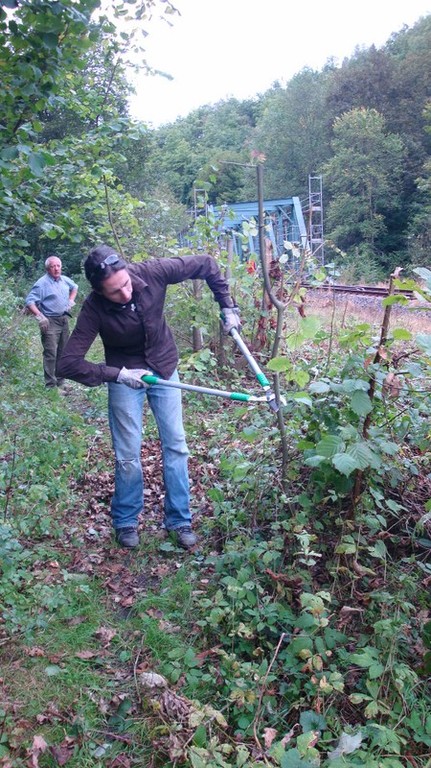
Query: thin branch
261, 694
8, 489
111, 221
378, 357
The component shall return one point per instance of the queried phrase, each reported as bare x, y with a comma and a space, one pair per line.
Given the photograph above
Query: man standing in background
50, 301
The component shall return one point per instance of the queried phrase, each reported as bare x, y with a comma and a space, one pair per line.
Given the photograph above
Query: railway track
361, 290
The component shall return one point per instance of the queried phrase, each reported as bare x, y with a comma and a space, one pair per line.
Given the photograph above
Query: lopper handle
260, 376
239, 396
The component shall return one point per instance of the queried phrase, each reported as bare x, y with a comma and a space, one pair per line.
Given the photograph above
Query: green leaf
309, 326
304, 445
279, 364
424, 341
301, 397
312, 721
300, 377
364, 457
319, 387
200, 736
401, 334
167, 546
190, 659
347, 546
196, 760
344, 463
378, 550
314, 461
361, 403
394, 506
242, 756
37, 163
250, 434
396, 298
375, 671
365, 658
9, 153
53, 670
388, 447
329, 446
292, 759
351, 385
372, 709
424, 273
50, 40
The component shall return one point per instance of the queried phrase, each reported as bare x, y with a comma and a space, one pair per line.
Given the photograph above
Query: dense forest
297, 633
76, 168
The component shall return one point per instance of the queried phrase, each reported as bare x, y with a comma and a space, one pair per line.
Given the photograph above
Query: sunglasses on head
113, 258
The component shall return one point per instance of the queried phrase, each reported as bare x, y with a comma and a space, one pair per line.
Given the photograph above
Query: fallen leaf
347, 744
105, 635
39, 746
85, 654
269, 734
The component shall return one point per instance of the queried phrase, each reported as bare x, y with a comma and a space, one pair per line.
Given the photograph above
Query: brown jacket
136, 335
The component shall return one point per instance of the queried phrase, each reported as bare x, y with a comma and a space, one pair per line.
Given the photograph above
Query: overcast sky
221, 48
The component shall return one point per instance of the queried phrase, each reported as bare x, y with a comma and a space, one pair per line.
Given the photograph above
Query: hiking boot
127, 537
185, 537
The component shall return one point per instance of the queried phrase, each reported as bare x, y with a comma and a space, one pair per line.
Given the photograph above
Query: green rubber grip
239, 396
150, 379
262, 380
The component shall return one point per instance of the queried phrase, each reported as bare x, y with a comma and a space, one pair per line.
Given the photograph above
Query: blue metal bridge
283, 219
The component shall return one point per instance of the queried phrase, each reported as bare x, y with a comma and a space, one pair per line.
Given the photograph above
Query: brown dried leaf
63, 752
35, 651
269, 734
85, 654
39, 746
105, 635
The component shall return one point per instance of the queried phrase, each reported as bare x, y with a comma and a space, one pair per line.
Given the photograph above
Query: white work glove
43, 323
230, 319
133, 377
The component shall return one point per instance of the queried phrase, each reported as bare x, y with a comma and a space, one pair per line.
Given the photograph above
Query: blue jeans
126, 407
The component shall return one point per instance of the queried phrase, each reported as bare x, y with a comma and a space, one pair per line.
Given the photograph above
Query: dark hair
97, 270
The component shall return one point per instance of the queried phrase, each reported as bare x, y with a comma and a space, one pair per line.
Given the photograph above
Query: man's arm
34, 309
73, 290
31, 302
72, 297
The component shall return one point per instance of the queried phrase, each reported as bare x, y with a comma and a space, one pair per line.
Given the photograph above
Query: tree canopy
76, 168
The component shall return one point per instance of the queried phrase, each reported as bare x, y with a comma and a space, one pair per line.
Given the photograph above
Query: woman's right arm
73, 364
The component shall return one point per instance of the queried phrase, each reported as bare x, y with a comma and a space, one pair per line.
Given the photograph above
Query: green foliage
374, 162
65, 132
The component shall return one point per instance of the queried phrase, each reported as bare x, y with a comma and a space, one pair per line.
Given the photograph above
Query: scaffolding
315, 219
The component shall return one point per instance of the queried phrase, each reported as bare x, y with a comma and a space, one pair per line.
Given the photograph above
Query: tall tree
63, 123
362, 179
293, 134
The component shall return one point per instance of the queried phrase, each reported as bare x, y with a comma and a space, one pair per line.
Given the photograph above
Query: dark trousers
53, 343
